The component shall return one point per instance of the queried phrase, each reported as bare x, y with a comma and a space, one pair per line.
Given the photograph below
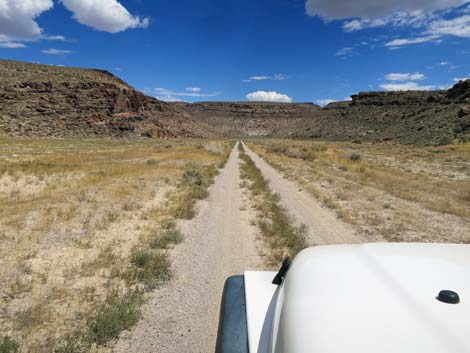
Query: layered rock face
416, 117
41, 100
248, 119
51, 101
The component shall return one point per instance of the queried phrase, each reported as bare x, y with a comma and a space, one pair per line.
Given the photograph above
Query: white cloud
52, 51
59, 38
405, 77
325, 101
104, 15
407, 41
190, 92
275, 77
458, 79
459, 27
18, 19
263, 96
12, 45
344, 51
431, 16
407, 86
367, 9
259, 78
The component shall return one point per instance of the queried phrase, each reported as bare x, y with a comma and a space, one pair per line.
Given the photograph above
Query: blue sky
276, 50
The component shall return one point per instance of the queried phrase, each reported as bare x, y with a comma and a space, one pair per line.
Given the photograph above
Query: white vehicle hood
374, 298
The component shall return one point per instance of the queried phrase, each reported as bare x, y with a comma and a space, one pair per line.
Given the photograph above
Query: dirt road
182, 317
323, 226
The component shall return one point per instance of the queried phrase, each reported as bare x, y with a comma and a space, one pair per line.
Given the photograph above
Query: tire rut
323, 227
182, 316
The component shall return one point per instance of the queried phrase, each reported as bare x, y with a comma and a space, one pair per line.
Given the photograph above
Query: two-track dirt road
323, 226
182, 316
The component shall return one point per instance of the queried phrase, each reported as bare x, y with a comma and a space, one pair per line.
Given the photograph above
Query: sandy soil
183, 315
220, 241
323, 226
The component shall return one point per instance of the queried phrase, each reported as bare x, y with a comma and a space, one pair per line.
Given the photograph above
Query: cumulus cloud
406, 86
275, 77
264, 96
405, 76
52, 51
18, 20
104, 15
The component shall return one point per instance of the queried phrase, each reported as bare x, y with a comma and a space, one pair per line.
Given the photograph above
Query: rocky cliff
41, 100
242, 119
435, 117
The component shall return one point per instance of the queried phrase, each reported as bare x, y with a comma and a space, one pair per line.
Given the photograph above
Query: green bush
193, 175
73, 343
116, 314
152, 162
355, 157
151, 267
9, 345
167, 238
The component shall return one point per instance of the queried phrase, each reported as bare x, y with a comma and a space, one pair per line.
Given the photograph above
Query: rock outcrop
255, 119
41, 100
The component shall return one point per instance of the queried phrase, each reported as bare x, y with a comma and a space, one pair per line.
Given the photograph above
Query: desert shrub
183, 207
141, 258
277, 149
192, 175
292, 153
196, 179
279, 230
355, 157
113, 316
9, 345
167, 238
308, 155
151, 268
73, 343
152, 162
445, 140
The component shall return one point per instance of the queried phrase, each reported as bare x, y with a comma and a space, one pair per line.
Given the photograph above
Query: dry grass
387, 191
283, 237
76, 217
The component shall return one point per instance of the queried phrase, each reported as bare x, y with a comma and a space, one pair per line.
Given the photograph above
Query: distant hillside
42, 100
435, 117
254, 119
